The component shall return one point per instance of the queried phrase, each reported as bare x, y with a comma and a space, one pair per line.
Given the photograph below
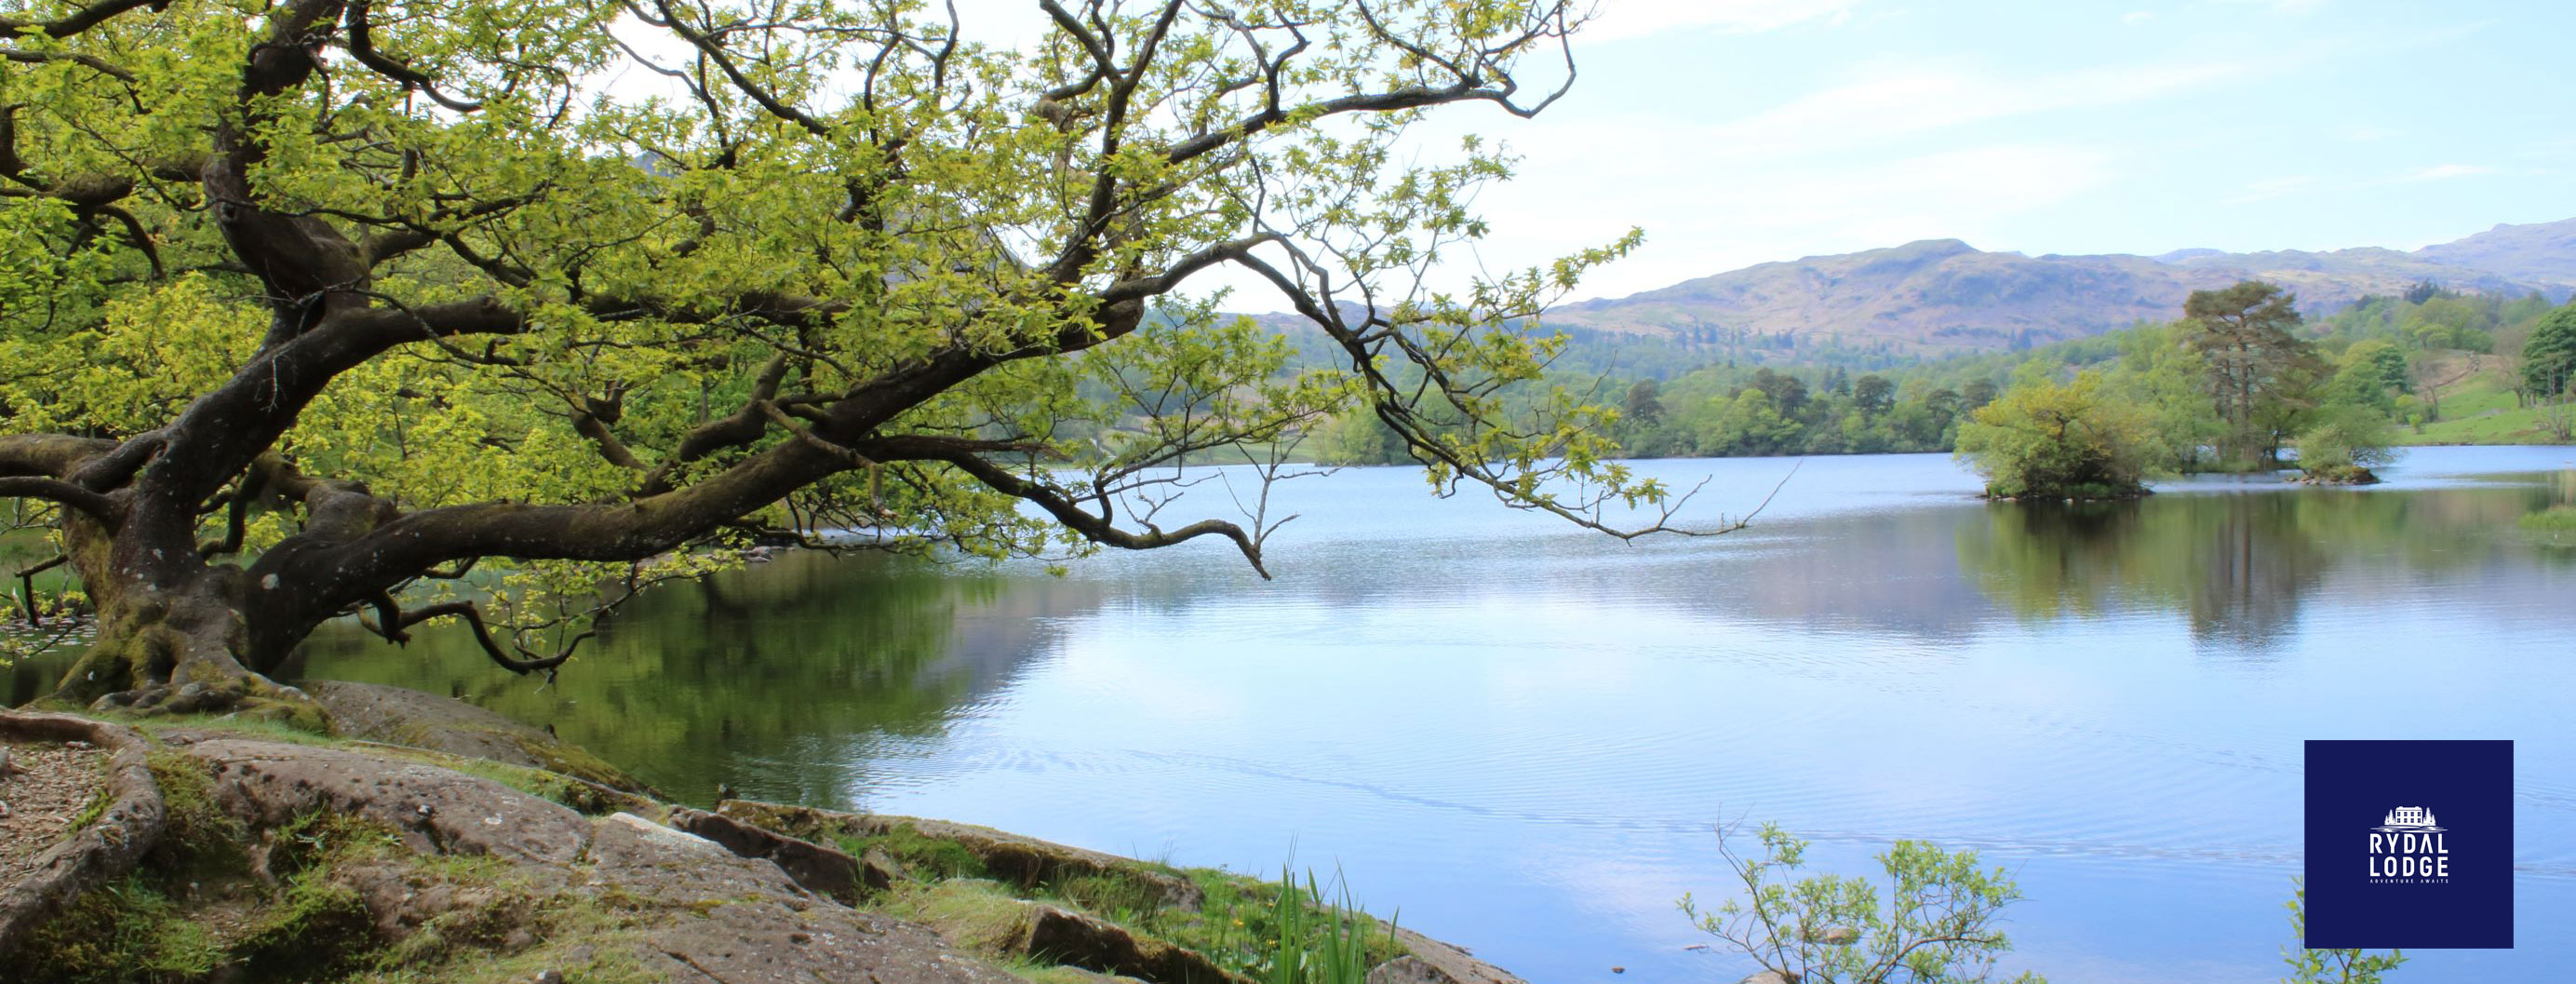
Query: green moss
972, 913
318, 928
99, 800
242, 726
125, 931
201, 841
922, 855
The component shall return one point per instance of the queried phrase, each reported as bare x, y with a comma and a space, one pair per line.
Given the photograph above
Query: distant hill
1942, 296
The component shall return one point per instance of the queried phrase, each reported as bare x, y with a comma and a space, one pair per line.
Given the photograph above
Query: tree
1644, 404
459, 311
1937, 924
1788, 393
1977, 393
2257, 368
1873, 395
2549, 366
2166, 382
2044, 439
1746, 425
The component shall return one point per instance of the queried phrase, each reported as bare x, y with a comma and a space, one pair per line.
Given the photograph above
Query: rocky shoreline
429, 839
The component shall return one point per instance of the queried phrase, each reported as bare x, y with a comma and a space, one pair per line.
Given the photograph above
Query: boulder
411, 718
1025, 861
821, 870
268, 784
1435, 962
1063, 936
748, 923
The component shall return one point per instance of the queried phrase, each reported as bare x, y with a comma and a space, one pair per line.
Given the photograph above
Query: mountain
1942, 296
2544, 253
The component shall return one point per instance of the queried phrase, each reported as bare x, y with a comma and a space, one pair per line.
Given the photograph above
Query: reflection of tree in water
2237, 566
2255, 561
780, 679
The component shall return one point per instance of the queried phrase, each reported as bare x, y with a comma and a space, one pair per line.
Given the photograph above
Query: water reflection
2237, 566
778, 678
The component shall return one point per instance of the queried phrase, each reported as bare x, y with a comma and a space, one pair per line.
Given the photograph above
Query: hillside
1942, 296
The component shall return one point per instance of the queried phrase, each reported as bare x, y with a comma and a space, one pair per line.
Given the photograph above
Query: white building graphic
2409, 817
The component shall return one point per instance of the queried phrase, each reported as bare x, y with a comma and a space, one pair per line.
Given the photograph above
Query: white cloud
2445, 172
1639, 18
2137, 17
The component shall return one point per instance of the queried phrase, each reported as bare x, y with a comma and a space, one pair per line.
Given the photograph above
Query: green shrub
2329, 966
2044, 439
2346, 437
1938, 923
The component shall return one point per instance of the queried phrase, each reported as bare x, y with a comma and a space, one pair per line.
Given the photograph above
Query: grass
922, 856
1277, 932
2482, 412
1302, 935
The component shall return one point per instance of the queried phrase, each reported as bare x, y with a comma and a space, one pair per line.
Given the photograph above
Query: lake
1522, 735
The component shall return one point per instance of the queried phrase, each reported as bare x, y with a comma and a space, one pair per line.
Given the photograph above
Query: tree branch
95, 505
1097, 529
79, 20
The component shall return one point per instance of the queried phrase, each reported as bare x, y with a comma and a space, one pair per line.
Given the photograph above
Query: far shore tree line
2240, 382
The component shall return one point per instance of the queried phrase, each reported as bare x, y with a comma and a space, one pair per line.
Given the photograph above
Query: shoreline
240, 849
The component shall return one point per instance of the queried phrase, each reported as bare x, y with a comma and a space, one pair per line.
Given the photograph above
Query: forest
2416, 367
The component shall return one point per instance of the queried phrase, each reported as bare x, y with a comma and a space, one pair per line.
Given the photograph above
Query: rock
398, 716
1406, 970
747, 923
1082, 941
1026, 861
880, 871
438, 810
1770, 977
821, 870
1435, 962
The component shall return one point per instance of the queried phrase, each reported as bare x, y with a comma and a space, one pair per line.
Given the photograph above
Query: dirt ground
44, 788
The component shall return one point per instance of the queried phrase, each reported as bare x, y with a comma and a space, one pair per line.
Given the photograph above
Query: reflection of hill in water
783, 675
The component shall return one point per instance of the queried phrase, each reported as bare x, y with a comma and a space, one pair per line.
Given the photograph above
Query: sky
1742, 131
1737, 132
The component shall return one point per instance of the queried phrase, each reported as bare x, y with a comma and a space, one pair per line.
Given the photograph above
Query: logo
2406, 846
2385, 869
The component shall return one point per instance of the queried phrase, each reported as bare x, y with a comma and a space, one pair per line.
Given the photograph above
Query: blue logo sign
2410, 844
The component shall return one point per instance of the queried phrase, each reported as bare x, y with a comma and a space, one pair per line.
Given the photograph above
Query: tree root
93, 855
246, 697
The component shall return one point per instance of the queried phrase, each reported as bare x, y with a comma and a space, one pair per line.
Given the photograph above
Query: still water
1522, 734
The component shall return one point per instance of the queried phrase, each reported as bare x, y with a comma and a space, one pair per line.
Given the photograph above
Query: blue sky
1740, 131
